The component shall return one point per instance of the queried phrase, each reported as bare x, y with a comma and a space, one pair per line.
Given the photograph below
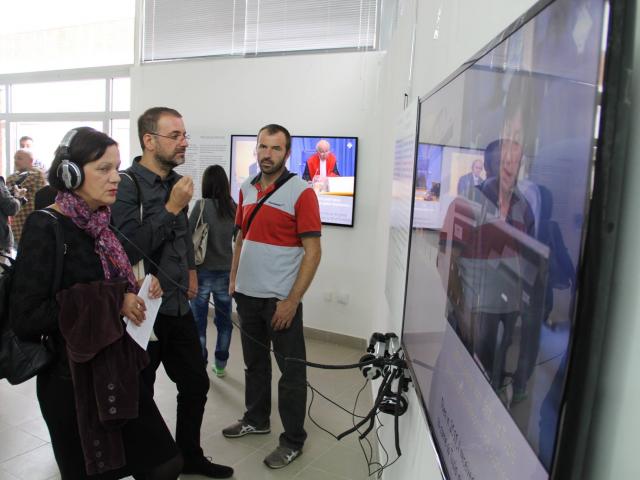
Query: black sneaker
205, 467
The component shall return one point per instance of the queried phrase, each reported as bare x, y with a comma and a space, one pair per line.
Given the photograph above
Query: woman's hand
133, 308
155, 290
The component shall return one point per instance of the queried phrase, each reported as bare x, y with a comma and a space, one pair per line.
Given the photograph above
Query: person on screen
321, 164
468, 182
484, 305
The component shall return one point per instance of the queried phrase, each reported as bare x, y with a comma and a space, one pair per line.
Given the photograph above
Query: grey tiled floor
25, 451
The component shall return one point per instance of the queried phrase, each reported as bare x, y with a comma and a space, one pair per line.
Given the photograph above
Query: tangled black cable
371, 416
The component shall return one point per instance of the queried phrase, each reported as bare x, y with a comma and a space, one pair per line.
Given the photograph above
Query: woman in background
102, 419
218, 211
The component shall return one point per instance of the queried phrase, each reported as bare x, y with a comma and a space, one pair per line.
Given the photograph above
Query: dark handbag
21, 359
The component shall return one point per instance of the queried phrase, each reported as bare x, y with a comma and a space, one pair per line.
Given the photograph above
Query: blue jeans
214, 282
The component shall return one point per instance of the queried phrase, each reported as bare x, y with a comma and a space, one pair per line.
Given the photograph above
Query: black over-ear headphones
396, 403
377, 349
68, 172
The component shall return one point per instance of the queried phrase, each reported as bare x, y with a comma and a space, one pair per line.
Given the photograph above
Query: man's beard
169, 162
269, 169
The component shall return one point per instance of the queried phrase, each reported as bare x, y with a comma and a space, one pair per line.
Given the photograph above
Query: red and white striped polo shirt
272, 250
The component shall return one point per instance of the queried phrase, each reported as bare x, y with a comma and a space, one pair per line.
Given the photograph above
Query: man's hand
180, 196
193, 285
155, 290
232, 287
283, 316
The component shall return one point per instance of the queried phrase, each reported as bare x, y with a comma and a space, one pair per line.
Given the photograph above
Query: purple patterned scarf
115, 262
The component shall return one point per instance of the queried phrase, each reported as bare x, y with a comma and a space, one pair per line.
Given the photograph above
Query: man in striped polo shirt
276, 255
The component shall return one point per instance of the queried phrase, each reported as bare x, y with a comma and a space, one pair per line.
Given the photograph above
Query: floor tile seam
44, 442
312, 466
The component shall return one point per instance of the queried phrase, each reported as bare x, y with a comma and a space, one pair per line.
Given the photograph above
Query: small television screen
333, 179
442, 173
503, 180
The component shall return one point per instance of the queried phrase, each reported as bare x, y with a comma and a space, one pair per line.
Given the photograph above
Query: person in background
218, 211
321, 164
29, 179
162, 234
26, 143
274, 262
96, 433
9, 205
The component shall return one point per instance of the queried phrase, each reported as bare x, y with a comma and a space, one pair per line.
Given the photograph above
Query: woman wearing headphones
102, 420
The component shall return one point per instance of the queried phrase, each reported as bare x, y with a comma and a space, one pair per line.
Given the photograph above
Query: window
38, 35
197, 28
46, 109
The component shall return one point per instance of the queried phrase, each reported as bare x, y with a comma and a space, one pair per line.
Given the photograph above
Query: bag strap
61, 249
131, 176
281, 181
202, 203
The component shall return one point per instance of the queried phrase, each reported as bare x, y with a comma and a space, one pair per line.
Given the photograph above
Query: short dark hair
87, 146
274, 128
25, 138
148, 121
492, 158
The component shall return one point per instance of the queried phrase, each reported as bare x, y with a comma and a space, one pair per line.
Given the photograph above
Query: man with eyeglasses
150, 215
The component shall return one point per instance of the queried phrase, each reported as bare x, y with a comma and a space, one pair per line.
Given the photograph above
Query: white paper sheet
142, 333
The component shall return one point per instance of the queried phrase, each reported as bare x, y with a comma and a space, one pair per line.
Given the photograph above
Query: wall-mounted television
442, 173
501, 319
335, 185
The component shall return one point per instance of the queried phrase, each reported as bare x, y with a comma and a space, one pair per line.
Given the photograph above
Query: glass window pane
3, 160
3, 105
120, 133
40, 35
74, 96
121, 94
46, 137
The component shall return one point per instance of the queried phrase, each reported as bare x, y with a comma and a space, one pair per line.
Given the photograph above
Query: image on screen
502, 182
333, 179
442, 173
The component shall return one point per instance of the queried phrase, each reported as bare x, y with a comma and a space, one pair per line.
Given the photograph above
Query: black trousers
255, 319
178, 348
147, 440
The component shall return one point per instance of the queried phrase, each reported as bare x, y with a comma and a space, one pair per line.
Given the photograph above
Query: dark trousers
491, 343
255, 319
178, 348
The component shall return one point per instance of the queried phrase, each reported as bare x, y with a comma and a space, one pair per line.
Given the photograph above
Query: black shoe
204, 466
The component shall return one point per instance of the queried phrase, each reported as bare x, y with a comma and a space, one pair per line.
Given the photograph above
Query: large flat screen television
335, 188
506, 254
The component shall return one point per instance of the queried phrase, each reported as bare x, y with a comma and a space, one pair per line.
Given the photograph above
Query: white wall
320, 94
